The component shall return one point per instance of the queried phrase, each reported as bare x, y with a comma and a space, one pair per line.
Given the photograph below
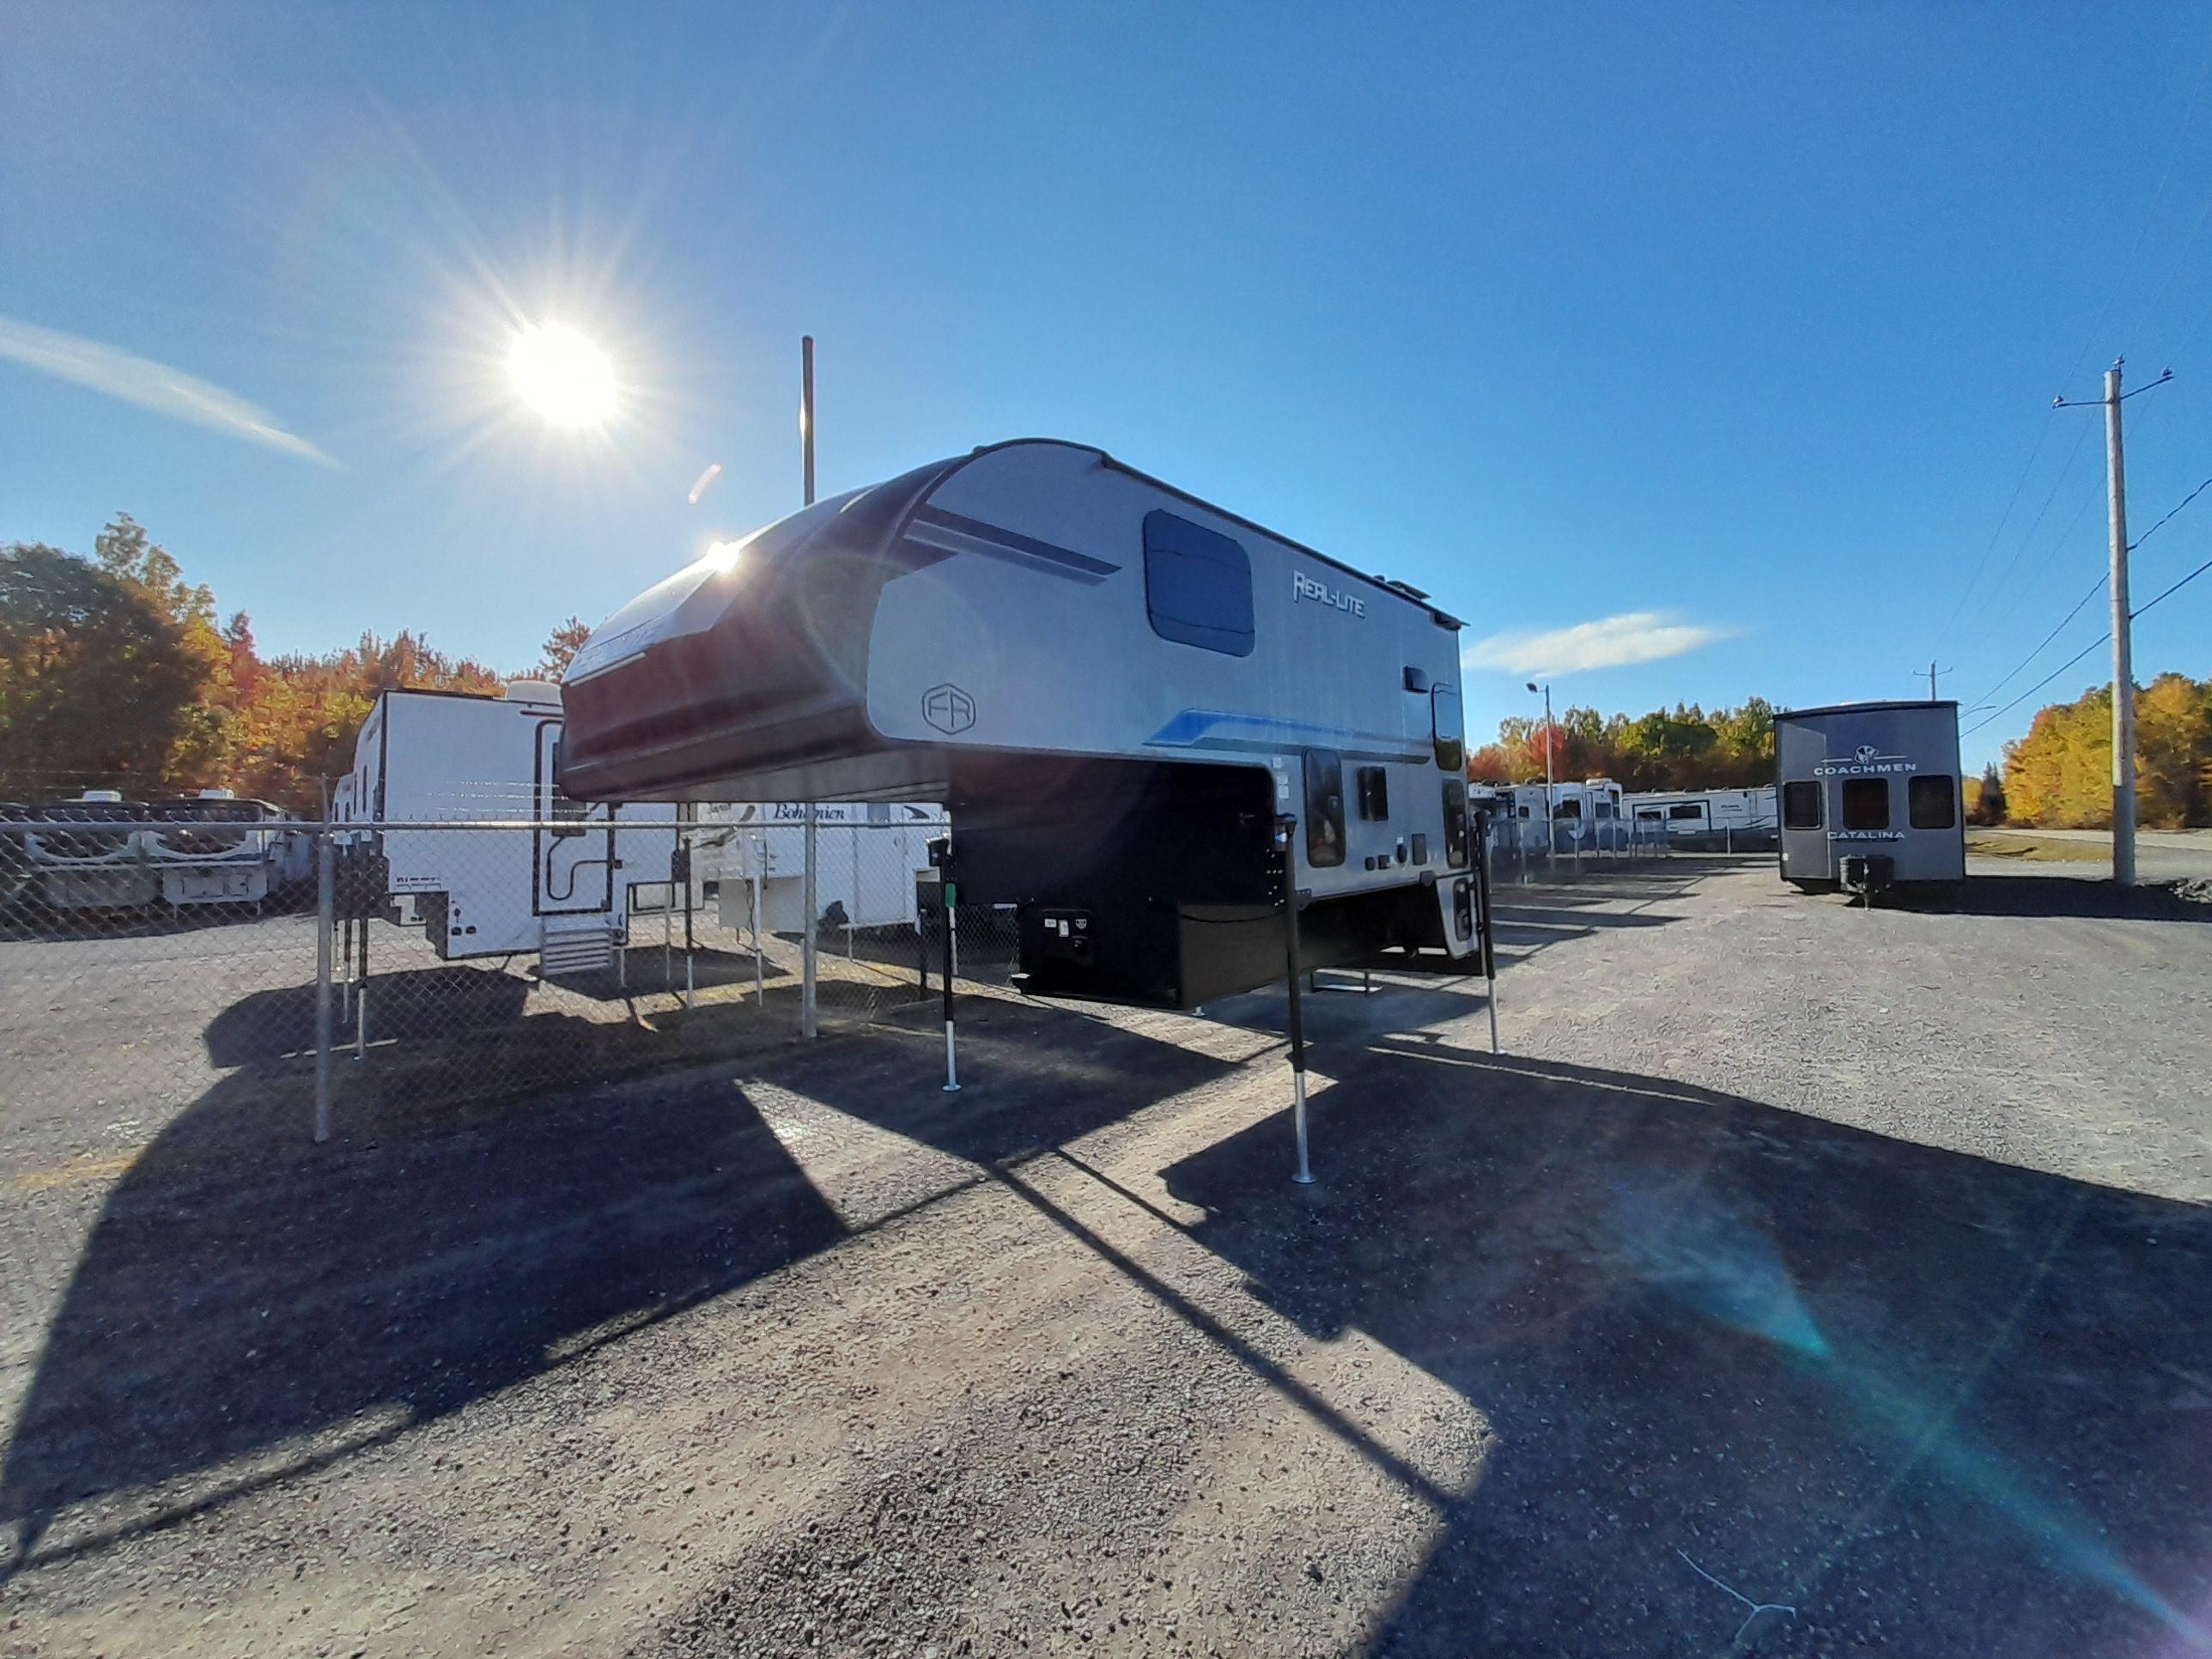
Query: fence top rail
574, 826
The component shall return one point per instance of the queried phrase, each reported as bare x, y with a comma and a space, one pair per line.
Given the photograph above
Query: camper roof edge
1444, 618
1873, 706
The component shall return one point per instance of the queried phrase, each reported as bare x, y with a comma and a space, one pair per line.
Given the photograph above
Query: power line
2166, 593
2176, 507
2096, 589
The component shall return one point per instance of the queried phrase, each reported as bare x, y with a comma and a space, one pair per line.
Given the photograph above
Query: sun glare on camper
562, 376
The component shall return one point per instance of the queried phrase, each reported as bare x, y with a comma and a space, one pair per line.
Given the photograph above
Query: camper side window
1198, 586
1449, 727
1930, 804
1373, 794
1688, 809
1324, 808
1866, 802
1801, 804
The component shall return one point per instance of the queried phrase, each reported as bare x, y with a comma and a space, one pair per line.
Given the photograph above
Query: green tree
100, 684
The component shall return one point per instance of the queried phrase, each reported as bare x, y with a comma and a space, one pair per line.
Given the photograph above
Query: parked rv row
100, 852
1596, 816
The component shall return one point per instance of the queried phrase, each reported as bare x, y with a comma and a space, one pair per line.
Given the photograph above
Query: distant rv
1870, 796
1705, 820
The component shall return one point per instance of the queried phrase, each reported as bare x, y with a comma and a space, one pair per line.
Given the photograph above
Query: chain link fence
147, 965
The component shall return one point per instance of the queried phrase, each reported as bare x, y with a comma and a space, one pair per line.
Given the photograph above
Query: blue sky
1740, 324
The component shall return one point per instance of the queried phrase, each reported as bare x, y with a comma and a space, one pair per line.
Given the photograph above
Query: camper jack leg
1304, 1175
361, 1000
952, 1060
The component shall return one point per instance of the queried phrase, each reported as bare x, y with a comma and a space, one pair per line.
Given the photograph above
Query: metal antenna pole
326, 901
949, 889
2123, 676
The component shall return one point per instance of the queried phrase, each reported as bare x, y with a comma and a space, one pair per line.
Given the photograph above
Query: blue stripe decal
950, 532
1208, 728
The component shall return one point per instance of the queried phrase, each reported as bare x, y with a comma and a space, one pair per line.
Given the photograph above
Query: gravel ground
1801, 1279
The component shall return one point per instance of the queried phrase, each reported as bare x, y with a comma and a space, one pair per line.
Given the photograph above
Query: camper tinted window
1801, 804
1569, 808
1930, 803
1687, 809
1866, 802
1451, 746
1324, 808
1198, 586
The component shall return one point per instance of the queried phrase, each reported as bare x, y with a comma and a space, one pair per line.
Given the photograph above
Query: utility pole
1932, 672
809, 952
2123, 667
2123, 671
1551, 828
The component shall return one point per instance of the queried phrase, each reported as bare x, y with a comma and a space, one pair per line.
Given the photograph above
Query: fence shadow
1927, 1400
248, 1305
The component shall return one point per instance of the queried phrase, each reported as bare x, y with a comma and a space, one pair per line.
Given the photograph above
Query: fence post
325, 903
807, 940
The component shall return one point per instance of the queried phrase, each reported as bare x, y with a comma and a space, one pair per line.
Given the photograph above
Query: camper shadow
248, 1305
2091, 897
1849, 1374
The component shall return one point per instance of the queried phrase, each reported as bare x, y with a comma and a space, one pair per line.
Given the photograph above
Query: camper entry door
573, 843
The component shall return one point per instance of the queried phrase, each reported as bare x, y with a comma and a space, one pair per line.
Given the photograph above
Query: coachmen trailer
1126, 696
868, 857
1871, 795
1705, 819
560, 888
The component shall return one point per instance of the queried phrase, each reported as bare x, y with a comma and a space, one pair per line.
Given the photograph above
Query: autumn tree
562, 646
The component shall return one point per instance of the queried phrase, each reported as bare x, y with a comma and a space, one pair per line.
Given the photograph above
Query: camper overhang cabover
1115, 687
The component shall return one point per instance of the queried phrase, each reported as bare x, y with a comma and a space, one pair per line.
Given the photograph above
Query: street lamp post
1550, 824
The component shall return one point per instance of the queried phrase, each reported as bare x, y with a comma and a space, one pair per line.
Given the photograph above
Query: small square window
1932, 804
1866, 802
1801, 804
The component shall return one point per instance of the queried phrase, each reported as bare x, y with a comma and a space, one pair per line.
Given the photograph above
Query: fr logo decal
948, 709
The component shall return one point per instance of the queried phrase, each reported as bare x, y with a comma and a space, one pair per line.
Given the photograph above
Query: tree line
2060, 774
116, 672
1685, 748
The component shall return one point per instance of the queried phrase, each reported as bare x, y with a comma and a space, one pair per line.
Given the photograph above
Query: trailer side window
1866, 802
1324, 808
1930, 804
1688, 809
1198, 586
1569, 808
1801, 804
1449, 727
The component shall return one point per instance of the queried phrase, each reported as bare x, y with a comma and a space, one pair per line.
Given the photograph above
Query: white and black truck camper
1123, 695
1870, 796
560, 888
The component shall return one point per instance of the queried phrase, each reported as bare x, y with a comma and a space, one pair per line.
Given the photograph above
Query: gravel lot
1848, 1257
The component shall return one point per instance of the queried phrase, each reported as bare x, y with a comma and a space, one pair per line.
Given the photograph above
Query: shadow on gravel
2059, 895
249, 1306
1934, 1404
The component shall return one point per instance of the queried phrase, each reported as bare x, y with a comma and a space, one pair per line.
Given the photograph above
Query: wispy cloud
147, 384
1609, 642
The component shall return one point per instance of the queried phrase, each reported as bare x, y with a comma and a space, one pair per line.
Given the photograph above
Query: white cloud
147, 384
1609, 642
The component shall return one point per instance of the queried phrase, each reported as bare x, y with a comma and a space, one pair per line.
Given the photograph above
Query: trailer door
573, 843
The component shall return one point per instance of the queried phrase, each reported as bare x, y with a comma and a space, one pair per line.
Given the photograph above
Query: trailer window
1449, 727
1688, 809
1568, 809
1932, 804
1801, 804
1324, 808
1198, 586
1866, 802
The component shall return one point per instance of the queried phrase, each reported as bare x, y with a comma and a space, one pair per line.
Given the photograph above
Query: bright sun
561, 375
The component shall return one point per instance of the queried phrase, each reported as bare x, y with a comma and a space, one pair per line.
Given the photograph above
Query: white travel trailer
868, 856
1705, 819
101, 866
1871, 795
561, 889
210, 849
1125, 695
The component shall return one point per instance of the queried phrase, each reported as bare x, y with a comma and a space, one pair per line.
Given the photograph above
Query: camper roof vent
110, 796
218, 794
528, 690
